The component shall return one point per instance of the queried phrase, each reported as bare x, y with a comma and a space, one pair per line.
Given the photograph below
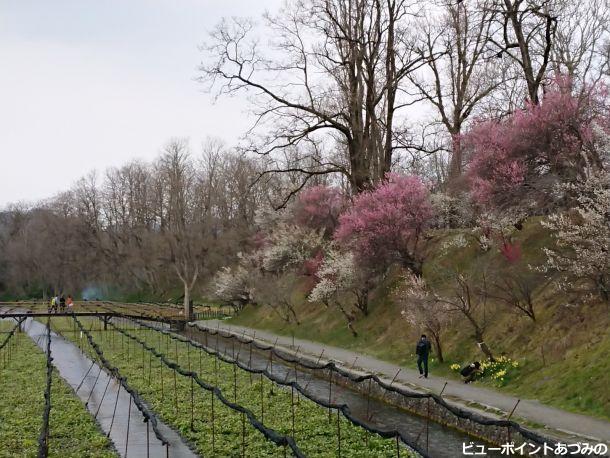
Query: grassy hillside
562, 358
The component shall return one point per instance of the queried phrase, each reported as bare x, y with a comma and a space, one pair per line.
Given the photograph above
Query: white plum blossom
449, 211
583, 238
290, 246
454, 241
231, 285
336, 274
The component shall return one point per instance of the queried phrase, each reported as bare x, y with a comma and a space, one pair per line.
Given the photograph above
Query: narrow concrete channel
99, 392
441, 442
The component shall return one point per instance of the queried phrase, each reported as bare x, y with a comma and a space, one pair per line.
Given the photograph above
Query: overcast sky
87, 84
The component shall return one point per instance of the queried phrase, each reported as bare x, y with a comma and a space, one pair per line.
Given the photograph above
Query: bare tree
524, 32
469, 300
332, 72
276, 291
458, 74
182, 229
517, 292
578, 50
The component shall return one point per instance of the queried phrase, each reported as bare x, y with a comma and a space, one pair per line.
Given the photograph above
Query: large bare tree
326, 83
182, 228
578, 52
459, 73
524, 32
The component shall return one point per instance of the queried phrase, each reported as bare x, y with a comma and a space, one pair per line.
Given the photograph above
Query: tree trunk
188, 307
478, 335
439, 348
485, 349
362, 302
482, 345
349, 317
414, 265
455, 165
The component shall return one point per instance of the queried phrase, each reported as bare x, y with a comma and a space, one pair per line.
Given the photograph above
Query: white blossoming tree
422, 309
231, 285
290, 246
341, 283
582, 256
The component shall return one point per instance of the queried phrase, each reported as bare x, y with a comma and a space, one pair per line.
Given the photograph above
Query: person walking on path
423, 351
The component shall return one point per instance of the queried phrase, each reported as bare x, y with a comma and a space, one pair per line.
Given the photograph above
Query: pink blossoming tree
385, 225
526, 154
319, 207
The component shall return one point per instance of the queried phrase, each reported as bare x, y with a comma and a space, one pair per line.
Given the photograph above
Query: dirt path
533, 411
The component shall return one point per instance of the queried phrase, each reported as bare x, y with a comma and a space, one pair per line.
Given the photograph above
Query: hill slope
561, 357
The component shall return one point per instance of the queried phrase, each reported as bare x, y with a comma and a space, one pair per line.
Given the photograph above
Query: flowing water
101, 394
439, 440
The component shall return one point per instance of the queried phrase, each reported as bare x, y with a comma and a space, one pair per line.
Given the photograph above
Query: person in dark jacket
423, 351
470, 372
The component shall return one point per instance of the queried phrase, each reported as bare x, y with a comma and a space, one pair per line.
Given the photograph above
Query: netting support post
235, 383
213, 429
262, 402
339, 432
509, 417
243, 435
292, 407
250, 363
147, 439
175, 394
368, 400
128, 421
330, 392
192, 407
427, 425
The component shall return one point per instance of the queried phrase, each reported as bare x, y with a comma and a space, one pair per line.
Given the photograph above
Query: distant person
52, 305
470, 372
55, 304
422, 350
69, 302
62, 303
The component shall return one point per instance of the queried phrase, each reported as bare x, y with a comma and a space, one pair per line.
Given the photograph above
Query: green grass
563, 356
73, 432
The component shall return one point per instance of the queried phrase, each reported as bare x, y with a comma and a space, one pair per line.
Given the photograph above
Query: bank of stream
114, 412
441, 441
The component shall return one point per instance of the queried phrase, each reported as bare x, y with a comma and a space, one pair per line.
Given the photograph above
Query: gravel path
559, 420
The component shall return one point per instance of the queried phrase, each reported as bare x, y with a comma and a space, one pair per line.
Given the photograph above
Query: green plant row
316, 432
73, 431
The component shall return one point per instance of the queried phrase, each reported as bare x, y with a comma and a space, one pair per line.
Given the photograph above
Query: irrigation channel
437, 440
227, 398
112, 406
434, 439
